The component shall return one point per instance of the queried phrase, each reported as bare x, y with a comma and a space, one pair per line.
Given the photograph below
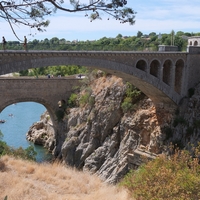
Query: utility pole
172, 37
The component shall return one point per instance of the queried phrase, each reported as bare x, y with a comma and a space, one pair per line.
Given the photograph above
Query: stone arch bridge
165, 77
49, 92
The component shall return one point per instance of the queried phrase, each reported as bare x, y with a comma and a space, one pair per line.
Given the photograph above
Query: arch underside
27, 99
149, 84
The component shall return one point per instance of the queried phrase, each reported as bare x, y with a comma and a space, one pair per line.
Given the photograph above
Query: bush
177, 178
84, 99
4, 148
132, 96
127, 104
28, 154
72, 102
132, 91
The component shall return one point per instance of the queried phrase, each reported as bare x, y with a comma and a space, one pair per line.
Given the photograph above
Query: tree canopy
33, 13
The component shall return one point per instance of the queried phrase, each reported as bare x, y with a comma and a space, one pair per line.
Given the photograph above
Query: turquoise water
19, 117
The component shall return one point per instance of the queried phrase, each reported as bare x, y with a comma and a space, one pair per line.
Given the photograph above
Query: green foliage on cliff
127, 104
84, 99
131, 97
72, 101
176, 177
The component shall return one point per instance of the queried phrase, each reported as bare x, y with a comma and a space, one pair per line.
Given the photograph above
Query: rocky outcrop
99, 137
42, 133
185, 128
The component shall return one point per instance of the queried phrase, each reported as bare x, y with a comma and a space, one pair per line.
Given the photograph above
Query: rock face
98, 136
185, 127
42, 133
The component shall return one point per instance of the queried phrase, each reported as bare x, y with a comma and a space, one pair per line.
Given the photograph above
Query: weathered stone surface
42, 133
185, 128
100, 137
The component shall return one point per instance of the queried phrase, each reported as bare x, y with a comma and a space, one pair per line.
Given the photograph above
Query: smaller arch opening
154, 68
178, 75
195, 43
167, 66
142, 65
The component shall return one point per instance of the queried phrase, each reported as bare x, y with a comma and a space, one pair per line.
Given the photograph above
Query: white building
194, 41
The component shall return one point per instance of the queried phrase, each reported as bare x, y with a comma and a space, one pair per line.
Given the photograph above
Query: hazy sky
160, 16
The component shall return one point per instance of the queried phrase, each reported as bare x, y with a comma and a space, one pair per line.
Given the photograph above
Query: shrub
29, 153
127, 104
177, 178
91, 100
4, 148
84, 99
72, 101
132, 91
131, 97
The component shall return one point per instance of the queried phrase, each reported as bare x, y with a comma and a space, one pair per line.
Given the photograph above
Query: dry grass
21, 180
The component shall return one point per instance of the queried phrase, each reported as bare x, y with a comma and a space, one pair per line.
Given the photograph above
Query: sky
160, 16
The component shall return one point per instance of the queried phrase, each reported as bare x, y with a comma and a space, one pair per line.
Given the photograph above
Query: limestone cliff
100, 137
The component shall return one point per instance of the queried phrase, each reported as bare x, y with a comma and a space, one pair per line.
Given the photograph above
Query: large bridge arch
131, 66
153, 88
